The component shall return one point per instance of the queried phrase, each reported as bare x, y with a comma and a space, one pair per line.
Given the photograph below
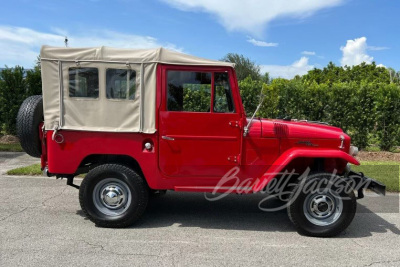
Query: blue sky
285, 37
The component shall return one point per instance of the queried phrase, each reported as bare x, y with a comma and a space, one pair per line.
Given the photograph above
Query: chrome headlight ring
353, 151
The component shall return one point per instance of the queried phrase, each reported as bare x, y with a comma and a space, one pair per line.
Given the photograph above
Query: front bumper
362, 182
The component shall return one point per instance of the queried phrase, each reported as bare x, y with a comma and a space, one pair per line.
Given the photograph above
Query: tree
12, 94
388, 116
244, 66
16, 84
250, 91
266, 79
359, 73
394, 76
33, 81
38, 64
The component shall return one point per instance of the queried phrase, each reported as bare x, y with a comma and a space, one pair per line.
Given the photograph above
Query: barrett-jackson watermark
288, 186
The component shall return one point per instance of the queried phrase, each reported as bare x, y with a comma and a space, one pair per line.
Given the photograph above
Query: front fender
294, 153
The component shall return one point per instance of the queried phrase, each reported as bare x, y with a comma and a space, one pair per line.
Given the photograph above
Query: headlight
353, 151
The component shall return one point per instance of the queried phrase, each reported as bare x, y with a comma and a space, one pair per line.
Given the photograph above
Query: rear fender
291, 154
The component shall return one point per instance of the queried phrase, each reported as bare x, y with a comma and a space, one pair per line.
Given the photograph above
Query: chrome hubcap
323, 209
322, 206
112, 197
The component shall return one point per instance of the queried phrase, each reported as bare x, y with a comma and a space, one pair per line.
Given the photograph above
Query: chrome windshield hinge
246, 131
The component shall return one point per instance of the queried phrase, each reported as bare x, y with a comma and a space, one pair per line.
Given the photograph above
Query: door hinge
235, 124
235, 159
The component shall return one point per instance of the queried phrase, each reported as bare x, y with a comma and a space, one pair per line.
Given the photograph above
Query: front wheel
113, 195
323, 205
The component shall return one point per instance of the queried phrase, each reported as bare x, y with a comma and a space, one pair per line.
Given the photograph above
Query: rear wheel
113, 195
30, 115
322, 206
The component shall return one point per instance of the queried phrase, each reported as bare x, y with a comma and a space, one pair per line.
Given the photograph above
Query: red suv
140, 122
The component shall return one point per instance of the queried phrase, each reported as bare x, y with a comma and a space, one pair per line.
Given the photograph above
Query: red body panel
65, 158
192, 151
294, 153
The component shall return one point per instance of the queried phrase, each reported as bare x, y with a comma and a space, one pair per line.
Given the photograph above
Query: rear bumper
363, 182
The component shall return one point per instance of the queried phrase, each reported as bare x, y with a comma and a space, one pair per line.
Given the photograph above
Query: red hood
291, 129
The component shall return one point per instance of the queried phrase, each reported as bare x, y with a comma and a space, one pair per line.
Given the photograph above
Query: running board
215, 189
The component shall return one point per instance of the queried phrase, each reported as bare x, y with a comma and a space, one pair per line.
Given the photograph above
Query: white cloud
355, 52
308, 53
299, 67
21, 46
377, 48
252, 15
261, 43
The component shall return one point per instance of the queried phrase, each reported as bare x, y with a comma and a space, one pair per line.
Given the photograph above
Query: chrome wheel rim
112, 197
323, 208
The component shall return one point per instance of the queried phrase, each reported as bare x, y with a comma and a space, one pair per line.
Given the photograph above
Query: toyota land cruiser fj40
140, 122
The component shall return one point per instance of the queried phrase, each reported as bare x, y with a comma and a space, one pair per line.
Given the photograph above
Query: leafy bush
16, 84
197, 98
12, 92
250, 92
363, 100
388, 116
362, 110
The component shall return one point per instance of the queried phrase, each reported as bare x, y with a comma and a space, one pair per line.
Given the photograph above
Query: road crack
383, 262
37, 206
15, 213
52, 197
102, 248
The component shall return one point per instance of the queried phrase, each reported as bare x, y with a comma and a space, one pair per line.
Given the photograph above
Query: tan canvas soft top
101, 114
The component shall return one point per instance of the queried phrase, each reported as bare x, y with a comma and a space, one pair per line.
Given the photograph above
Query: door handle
167, 138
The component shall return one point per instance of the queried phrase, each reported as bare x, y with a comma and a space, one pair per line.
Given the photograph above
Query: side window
188, 91
120, 84
83, 82
223, 100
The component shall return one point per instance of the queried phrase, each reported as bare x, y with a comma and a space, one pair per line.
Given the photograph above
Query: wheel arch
94, 160
321, 159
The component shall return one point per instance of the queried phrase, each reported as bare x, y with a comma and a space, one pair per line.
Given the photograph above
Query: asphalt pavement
41, 224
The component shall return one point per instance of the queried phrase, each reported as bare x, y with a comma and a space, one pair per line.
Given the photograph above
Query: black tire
110, 175
305, 220
30, 115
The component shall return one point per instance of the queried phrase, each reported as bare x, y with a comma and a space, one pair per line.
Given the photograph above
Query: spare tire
30, 115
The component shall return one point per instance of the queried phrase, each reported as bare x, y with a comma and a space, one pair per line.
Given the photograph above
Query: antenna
66, 41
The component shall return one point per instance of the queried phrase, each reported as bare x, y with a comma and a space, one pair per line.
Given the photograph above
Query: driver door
199, 129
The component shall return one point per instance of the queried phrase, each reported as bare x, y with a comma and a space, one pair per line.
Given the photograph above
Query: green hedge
16, 84
367, 109
368, 112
